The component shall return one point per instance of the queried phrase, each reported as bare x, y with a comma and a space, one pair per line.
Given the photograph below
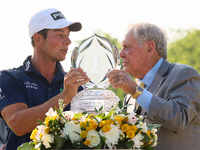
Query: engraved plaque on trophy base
90, 99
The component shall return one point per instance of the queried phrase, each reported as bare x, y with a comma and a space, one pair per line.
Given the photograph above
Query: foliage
186, 50
116, 129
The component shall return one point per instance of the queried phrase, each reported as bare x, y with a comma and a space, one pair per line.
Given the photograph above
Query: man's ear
151, 48
37, 38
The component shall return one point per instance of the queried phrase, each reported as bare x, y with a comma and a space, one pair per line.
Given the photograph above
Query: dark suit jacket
176, 105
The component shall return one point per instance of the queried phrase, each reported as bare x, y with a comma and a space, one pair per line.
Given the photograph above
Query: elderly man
169, 94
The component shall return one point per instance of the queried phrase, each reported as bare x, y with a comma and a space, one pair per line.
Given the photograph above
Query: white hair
150, 32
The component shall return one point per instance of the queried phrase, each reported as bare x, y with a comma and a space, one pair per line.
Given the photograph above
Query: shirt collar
148, 78
30, 68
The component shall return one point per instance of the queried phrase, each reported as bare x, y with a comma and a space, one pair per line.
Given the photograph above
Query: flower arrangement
114, 130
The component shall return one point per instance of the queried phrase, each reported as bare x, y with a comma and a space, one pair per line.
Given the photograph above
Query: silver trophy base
88, 100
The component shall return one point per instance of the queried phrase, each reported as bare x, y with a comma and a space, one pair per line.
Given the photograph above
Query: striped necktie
138, 108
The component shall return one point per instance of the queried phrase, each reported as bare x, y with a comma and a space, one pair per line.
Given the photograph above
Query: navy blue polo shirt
26, 85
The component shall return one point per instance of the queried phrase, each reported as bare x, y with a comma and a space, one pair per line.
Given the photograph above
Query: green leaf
95, 118
139, 129
84, 110
41, 123
78, 115
27, 146
99, 146
154, 126
59, 141
110, 114
58, 111
87, 124
129, 144
103, 139
120, 104
96, 111
148, 147
101, 115
127, 105
84, 113
101, 108
146, 138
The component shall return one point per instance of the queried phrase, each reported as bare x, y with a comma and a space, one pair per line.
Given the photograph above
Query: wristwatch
138, 92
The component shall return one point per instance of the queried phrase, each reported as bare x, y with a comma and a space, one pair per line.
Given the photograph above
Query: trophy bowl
96, 56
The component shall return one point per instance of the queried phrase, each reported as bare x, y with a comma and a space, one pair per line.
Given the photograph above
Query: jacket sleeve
177, 102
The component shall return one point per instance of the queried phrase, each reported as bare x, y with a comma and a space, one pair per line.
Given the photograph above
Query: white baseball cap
51, 19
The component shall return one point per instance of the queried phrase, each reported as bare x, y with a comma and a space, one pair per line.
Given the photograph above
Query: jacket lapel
159, 77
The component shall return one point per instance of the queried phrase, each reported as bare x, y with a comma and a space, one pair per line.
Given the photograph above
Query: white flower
51, 113
94, 137
132, 119
111, 136
137, 140
153, 131
72, 130
155, 137
68, 115
48, 138
143, 126
41, 131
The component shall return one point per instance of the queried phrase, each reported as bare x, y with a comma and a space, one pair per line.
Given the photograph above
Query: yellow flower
90, 116
74, 118
89, 128
56, 117
47, 121
125, 119
76, 122
134, 128
87, 142
109, 121
149, 132
125, 127
33, 134
92, 125
83, 134
118, 119
130, 134
47, 130
106, 128
82, 124
102, 123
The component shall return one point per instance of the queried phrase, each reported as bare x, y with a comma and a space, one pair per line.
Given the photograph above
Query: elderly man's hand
121, 79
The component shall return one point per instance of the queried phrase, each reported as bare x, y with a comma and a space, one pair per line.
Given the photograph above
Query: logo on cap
57, 15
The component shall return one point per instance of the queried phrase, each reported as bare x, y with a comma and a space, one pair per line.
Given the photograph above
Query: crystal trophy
96, 56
